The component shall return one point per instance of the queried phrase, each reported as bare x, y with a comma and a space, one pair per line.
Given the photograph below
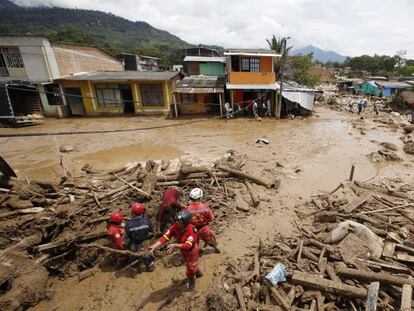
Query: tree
300, 67
276, 44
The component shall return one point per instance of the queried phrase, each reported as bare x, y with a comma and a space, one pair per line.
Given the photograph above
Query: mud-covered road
310, 156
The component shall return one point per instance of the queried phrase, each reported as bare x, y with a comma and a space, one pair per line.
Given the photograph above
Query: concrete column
221, 104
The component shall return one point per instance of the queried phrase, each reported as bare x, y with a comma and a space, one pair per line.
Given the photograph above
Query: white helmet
196, 193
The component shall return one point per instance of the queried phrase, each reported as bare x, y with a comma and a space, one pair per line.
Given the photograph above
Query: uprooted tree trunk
150, 179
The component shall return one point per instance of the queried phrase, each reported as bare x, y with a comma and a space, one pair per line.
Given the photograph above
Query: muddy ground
310, 156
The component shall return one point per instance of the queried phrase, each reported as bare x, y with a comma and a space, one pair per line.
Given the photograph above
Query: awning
299, 94
201, 90
274, 86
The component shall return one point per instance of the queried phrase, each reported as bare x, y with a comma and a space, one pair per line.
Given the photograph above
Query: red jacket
188, 238
116, 236
169, 198
202, 214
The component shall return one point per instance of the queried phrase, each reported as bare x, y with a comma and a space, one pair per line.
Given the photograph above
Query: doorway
74, 99
127, 98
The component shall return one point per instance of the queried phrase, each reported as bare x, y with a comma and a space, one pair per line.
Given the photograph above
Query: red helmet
116, 217
137, 209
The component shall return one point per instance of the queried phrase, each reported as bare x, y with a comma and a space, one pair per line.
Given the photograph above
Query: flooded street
310, 156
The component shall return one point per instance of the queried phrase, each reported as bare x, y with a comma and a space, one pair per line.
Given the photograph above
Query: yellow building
251, 76
118, 92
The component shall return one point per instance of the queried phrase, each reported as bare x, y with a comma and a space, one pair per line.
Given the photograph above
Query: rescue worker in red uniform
137, 230
169, 207
185, 235
202, 216
116, 232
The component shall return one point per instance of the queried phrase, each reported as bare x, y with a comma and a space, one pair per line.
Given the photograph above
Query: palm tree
276, 44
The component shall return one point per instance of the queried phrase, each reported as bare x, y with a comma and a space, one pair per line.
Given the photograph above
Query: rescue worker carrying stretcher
116, 233
185, 235
169, 207
202, 216
137, 230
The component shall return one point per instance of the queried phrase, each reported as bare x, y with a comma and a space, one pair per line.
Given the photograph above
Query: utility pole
282, 70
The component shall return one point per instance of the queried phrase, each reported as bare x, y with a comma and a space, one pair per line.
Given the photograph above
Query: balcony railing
4, 71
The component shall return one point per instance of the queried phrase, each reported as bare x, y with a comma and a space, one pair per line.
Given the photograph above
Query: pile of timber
69, 218
328, 274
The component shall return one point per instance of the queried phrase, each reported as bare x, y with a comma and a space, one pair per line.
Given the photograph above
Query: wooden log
386, 266
86, 274
321, 245
300, 251
406, 297
324, 285
382, 190
150, 179
178, 176
332, 274
244, 175
141, 192
256, 270
255, 199
372, 299
351, 174
115, 251
382, 277
240, 297
32, 210
165, 163
279, 298
405, 257
309, 255
109, 193
320, 299
54, 245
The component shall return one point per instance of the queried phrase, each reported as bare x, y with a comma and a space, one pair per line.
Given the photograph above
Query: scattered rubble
59, 229
356, 249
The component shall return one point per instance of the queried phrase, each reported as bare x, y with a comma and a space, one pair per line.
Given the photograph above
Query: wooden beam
324, 285
406, 297
372, 298
240, 297
405, 257
382, 277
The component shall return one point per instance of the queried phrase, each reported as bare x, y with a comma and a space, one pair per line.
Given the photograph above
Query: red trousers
207, 235
191, 260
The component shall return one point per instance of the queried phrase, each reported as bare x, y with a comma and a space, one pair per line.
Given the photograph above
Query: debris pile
355, 251
59, 229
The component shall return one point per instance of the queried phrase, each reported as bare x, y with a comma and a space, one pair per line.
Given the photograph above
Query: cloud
351, 27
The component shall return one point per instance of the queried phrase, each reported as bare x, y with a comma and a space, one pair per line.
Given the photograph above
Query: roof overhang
252, 54
200, 90
274, 86
214, 59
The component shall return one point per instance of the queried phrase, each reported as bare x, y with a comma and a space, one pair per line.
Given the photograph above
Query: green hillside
107, 31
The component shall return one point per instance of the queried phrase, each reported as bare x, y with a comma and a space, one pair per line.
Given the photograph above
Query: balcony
252, 77
4, 71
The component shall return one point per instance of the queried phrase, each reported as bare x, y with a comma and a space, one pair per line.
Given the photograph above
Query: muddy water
316, 155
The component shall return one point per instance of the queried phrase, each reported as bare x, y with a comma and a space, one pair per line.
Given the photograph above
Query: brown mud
311, 156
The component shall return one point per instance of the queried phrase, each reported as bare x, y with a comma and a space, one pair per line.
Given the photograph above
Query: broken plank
240, 297
253, 195
312, 281
357, 202
406, 297
332, 274
244, 175
372, 298
385, 266
405, 257
382, 277
279, 298
389, 249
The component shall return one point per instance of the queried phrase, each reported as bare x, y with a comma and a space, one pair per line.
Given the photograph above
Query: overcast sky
349, 27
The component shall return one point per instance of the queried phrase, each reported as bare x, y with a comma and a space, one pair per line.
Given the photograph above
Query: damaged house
297, 99
36, 61
202, 90
250, 75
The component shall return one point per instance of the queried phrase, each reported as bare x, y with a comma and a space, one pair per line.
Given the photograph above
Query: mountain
320, 55
105, 30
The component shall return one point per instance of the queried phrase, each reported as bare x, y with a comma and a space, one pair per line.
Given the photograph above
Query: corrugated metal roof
203, 90
205, 59
201, 82
393, 84
121, 75
274, 86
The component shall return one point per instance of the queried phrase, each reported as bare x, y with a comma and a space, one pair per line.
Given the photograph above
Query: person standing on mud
360, 106
138, 230
115, 229
169, 207
268, 108
351, 106
185, 234
202, 216
376, 107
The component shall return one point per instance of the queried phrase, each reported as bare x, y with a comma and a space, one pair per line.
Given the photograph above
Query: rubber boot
191, 283
199, 274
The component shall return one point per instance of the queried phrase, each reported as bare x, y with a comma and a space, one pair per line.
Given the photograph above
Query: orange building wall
265, 64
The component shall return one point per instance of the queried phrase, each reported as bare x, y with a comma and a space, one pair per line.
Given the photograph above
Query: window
152, 94
12, 57
53, 94
235, 63
188, 98
250, 64
108, 95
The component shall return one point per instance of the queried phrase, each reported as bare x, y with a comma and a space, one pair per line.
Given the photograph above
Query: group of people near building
257, 108
186, 225
361, 105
